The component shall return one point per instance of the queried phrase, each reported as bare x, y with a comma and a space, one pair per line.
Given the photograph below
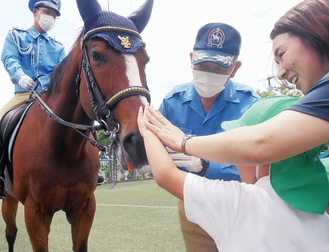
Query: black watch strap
205, 165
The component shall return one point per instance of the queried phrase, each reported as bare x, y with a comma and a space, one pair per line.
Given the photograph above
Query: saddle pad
15, 131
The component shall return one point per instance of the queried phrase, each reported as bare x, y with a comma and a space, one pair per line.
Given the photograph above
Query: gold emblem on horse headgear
125, 41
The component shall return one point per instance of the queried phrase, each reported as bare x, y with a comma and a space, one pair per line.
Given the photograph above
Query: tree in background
273, 86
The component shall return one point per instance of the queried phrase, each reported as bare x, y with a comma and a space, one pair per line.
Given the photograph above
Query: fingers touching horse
54, 165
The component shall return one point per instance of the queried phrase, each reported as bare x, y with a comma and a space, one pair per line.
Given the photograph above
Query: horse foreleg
81, 221
37, 221
9, 211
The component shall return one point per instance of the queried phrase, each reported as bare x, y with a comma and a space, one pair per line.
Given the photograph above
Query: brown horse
55, 166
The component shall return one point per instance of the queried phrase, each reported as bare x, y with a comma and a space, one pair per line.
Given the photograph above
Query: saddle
9, 127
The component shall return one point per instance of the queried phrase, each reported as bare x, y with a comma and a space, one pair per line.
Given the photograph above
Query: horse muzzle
133, 145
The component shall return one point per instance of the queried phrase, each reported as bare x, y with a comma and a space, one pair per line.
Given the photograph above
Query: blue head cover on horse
122, 33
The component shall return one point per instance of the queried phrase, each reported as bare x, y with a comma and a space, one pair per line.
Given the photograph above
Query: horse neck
63, 96
66, 105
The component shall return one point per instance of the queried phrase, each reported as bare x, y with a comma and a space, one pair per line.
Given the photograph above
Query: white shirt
252, 218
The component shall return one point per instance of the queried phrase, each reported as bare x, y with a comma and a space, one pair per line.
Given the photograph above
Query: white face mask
209, 84
46, 22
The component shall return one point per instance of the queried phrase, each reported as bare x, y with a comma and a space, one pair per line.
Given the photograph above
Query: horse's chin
132, 161
126, 161
134, 151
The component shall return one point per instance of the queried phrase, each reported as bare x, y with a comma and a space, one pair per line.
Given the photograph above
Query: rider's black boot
3, 192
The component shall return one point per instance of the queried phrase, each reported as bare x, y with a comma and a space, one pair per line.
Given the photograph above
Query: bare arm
283, 136
163, 168
250, 174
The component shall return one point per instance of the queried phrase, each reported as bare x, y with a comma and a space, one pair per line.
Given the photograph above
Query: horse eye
96, 56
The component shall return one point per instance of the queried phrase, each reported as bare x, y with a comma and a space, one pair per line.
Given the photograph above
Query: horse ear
141, 16
88, 8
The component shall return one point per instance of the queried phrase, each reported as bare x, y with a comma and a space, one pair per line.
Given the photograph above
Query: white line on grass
136, 206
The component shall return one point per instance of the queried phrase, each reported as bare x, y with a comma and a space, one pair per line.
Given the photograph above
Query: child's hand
169, 134
141, 119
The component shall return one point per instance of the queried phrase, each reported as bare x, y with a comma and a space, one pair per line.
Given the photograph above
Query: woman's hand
170, 135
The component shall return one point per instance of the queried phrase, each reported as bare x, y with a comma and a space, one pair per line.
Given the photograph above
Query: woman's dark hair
308, 20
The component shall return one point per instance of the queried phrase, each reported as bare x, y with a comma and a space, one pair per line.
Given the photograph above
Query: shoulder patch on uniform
19, 29
55, 40
181, 88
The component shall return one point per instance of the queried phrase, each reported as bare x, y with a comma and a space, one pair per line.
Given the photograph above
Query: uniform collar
35, 33
229, 92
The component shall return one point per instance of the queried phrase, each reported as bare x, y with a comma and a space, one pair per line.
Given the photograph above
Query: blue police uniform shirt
182, 107
32, 53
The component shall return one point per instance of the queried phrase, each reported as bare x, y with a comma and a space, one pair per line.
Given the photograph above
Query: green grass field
134, 216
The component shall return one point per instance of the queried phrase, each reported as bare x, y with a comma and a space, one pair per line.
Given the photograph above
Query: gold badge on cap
125, 41
55, 1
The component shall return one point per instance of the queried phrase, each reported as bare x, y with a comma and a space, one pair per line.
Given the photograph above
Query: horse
55, 161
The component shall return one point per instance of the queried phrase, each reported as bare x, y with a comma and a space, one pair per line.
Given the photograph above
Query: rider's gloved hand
192, 164
26, 82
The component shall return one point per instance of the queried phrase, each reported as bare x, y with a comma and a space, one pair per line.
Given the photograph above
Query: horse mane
69, 65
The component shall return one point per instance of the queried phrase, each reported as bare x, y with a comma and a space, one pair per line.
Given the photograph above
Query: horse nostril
133, 144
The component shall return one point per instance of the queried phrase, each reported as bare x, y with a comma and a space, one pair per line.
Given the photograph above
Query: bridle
101, 108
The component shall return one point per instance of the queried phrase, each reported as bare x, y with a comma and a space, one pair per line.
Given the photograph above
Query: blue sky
169, 36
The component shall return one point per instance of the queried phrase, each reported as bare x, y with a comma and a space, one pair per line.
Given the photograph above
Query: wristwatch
184, 139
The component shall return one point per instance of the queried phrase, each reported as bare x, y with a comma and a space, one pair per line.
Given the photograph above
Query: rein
74, 126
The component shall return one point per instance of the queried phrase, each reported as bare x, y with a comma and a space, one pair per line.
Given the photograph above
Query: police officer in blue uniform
29, 56
199, 108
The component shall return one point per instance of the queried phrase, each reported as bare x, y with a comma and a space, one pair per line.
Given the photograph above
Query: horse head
114, 60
